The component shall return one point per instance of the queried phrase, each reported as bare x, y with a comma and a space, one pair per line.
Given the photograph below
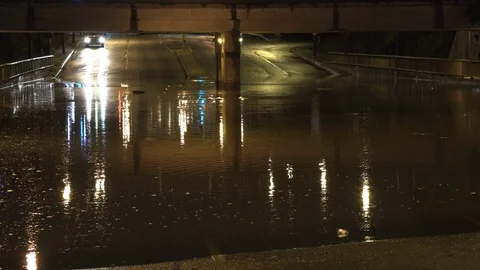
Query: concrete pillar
218, 58
230, 60
232, 126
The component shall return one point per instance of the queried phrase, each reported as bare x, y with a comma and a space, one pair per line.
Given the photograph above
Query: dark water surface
99, 176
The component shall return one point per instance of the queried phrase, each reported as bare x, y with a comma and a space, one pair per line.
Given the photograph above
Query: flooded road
97, 175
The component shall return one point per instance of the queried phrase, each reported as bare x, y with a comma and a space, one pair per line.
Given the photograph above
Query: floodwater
100, 176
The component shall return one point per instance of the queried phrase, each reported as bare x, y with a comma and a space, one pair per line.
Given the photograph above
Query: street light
220, 40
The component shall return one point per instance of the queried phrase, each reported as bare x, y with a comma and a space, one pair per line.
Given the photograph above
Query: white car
93, 40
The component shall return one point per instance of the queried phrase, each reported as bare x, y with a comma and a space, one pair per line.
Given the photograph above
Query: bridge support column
218, 59
230, 60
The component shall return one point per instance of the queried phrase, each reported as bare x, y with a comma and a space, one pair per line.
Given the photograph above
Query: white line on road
273, 65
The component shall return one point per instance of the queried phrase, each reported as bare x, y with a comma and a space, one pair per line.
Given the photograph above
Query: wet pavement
96, 175
435, 253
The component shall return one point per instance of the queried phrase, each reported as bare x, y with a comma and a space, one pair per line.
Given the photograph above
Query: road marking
272, 64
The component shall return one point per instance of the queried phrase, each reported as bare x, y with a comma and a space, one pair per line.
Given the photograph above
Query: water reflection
31, 260
124, 117
365, 166
39, 96
289, 171
323, 188
241, 171
183, 119
271, 187
66, 192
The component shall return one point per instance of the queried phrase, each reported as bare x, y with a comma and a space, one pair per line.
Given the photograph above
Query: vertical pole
231, 60
63, 43
218, 58
73, 38
315, 45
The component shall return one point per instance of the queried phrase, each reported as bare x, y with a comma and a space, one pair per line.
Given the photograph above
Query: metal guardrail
13, 70
447, 67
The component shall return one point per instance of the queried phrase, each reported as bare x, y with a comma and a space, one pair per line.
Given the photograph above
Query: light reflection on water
260, 170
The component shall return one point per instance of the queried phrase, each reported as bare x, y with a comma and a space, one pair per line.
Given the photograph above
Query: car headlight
101, 39
87, 40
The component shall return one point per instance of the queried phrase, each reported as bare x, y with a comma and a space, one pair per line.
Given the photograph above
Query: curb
316, 63
200, 63
66, 60
184, 67
272, 64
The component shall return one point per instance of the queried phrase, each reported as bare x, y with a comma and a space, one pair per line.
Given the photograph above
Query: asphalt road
149, 60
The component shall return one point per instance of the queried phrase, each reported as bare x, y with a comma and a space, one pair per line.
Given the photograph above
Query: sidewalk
193, 69
438, 252
59, 60
191, 66
307, 55
345, 69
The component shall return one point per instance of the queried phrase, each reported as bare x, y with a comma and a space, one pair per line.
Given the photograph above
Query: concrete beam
303, 18
83, 18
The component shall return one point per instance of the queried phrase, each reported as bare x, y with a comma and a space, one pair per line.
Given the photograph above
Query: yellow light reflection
366, 193
182, 119
271, 187
221, 132
32, 233
323, 186
289, 171
70, 122
66, 192
99, 183
241, 124
126, 122
169, 119
31, 260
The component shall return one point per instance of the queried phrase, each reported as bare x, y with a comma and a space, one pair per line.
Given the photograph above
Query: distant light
240, 39
220, 40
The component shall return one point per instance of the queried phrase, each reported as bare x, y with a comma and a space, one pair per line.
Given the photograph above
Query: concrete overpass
213, 16
229, 18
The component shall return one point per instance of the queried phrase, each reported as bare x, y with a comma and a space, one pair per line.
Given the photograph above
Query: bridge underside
228, 21
302, 18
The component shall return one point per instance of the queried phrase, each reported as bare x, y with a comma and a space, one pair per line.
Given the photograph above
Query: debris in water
342, 233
